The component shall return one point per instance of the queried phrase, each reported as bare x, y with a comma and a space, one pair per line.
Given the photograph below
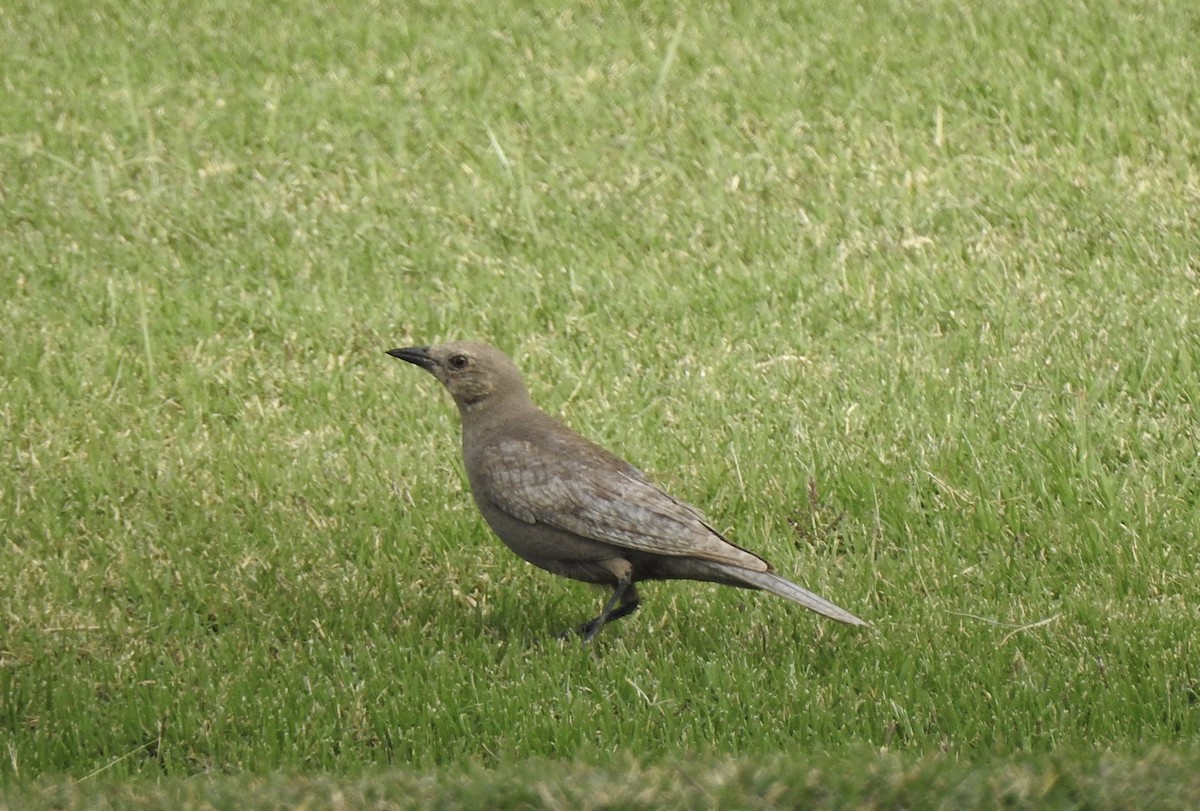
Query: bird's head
473, 372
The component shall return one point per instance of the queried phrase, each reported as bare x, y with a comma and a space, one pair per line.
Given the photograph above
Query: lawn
906, 297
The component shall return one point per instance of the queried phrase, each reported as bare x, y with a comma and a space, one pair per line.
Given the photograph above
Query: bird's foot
587, 630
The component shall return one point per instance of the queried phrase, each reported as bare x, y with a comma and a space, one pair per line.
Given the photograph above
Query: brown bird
569, 506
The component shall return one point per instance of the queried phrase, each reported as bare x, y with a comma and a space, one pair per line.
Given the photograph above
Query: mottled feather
561, 485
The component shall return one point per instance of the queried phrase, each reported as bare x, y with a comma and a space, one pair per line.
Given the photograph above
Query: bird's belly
562, 553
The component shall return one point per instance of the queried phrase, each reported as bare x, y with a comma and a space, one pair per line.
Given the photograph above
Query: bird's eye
458, 361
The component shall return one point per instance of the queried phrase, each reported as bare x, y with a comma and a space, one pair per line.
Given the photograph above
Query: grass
1159, 780
904, 296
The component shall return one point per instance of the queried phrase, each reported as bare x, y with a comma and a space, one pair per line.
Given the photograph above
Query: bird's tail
788, 590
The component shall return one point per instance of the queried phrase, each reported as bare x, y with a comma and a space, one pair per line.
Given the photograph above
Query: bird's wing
583, 489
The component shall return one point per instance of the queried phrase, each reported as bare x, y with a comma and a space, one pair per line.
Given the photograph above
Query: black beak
416, 355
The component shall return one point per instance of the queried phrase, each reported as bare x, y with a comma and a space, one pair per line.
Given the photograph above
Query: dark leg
623, 602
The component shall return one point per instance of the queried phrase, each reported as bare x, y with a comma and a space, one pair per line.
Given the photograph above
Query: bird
567, 505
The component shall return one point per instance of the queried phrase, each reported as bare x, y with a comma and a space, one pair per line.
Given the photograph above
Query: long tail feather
790, 591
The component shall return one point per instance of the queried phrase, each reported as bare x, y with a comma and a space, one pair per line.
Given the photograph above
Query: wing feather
581, 488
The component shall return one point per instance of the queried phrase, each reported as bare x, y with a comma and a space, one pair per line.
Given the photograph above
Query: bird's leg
623, 602
629, 603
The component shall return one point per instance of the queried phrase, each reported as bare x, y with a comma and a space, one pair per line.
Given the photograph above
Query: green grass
905, 296
1160, 780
